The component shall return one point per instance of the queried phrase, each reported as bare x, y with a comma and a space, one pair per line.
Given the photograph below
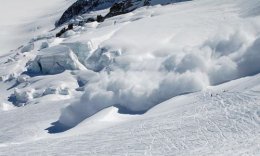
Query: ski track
223, 123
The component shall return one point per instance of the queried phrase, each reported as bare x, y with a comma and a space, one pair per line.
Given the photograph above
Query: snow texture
147, 73
177, 79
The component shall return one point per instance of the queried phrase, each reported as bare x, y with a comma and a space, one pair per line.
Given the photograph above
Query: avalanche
175, 79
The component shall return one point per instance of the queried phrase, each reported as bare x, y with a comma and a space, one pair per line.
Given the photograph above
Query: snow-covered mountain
84, 6
116, 7
149, 79
22, 20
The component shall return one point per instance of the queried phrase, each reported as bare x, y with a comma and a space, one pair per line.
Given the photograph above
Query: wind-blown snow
168, 66
174, 60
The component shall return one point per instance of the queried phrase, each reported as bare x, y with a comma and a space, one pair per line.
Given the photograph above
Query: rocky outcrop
83, 6
74, 10
117, 7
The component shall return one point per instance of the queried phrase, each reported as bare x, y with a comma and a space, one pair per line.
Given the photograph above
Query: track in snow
215, 122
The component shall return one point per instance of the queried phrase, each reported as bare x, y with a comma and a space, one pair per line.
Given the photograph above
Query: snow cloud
138, 83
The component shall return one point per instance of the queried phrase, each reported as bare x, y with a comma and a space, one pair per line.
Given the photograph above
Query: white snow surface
179, 79
22, 20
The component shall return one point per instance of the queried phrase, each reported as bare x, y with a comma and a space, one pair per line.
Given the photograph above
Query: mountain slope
216, 121
22, 20
177, 79
116, 7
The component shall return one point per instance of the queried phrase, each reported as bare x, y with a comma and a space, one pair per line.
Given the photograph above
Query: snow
22, 20
28, 48
81, 49
248, 64
55, 60
179, 79
195, 124
174, 60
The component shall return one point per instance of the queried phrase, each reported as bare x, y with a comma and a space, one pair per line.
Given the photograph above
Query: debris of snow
178, 79
55, 60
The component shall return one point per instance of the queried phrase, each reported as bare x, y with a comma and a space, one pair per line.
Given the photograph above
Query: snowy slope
114, 7
196, 124
180, 79
22, 20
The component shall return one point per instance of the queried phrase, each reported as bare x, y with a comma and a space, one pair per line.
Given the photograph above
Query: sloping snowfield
178, 79
22, 20
226, 123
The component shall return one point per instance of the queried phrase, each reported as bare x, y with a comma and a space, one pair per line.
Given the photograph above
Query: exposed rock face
121, 8
74, 10
117, 7
84, 6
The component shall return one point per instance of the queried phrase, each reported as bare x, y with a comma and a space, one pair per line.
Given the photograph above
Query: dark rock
100, 18
147, 3
89, 20
70, 26
62, 31
117, 7
74, 10
83, 6
121, 8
